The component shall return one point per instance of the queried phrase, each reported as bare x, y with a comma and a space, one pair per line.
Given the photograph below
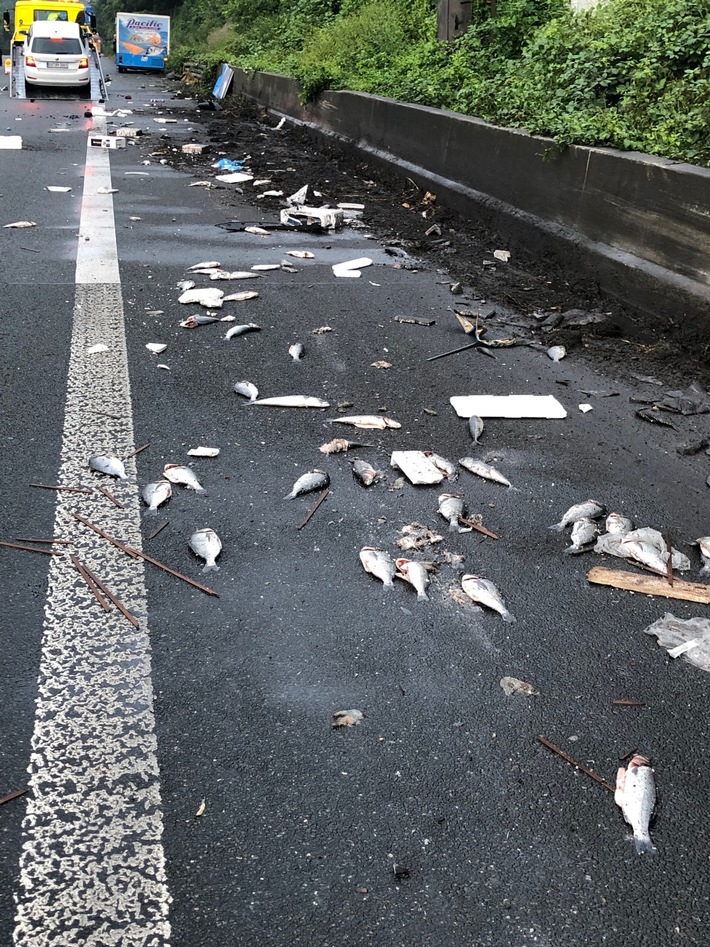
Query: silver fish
192, 322
247, 389
186, 284
485, 593
556, 352
206, 544
646, 553
442, 464
240, 330
451, 508
374, 421
241, 297
584, 532
417, 574
313, 480
703, 545
293, 401
154, 494
184, 476
475, 426
296, 351
636, 797
379, 564
236, 274
209, 265
105, 464
618, 525
484, 470
591, 508
364, 472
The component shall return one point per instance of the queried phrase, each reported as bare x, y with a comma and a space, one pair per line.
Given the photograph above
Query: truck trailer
142, 41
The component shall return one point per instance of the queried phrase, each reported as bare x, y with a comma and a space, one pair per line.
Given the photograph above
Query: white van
54, 54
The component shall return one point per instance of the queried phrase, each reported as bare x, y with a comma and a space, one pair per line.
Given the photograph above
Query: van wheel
121, 69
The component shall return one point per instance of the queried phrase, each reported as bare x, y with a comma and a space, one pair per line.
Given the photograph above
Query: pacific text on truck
142, 41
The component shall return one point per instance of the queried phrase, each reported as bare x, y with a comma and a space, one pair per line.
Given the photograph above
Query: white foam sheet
508, 406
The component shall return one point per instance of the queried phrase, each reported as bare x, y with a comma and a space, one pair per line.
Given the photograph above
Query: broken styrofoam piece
508, 406
351, 269
329, 218
10, 142
416, 467
56, 189
209, 298
204, 452
236, 177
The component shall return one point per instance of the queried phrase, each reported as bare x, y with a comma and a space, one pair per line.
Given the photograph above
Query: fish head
639, 760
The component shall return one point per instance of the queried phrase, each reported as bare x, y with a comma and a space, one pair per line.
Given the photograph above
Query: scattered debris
513, 686
201, 809
156, 347
653, 417
635, 795
415, 322
577, 765
96, 349
416, 466
416, 536
689, 402
368, 421
296, 351
204, 452
347, 718
207, 545
321, 331
650, 585
508, 406
688, 638
585, 408
209, 298
381, 364
351, 269
502, 255
318, 502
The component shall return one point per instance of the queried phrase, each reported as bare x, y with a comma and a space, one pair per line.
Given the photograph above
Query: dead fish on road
247, 389
373, 421
340, 445
442, 464
313, 480
417, 574
584, 533
703, 545
154, 494
379, 564
206, 544
184, 476
485, 470
475, 427
451, 508
293, 401
296, 351
241, 330
591, 508
618, 525
186, 284
347, 718
484, 592
192, 322
209, 265
365, 472
105, 464
636, 797
240, 297
236, 274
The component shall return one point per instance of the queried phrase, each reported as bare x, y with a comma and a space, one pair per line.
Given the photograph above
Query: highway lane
502, 842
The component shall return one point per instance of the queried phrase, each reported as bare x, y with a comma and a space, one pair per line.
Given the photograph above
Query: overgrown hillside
632, 74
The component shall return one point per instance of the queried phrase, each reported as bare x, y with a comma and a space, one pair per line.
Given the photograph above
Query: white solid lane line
92, 869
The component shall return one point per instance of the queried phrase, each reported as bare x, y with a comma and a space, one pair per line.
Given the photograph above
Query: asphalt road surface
186, 786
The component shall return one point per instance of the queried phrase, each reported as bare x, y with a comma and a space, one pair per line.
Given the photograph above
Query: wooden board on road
650, 584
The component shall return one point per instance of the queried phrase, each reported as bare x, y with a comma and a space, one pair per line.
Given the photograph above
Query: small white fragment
95, 349
502, 255
204, 452
585, 408
164, 367
350, 269
107, 190
55, 189
21, 224
135, 218
156, 347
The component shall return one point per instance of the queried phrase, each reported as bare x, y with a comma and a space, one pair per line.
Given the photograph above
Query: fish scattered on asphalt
364, 472
20, 224
293, 401
192, 322
241, 297
184, 476
208, 265
703, 545
484, 592
584, 533
636, 797
475, 427
416, 536
417, 574
556, 352
442, 464
241, 330
288, 267
313, 480
647, 554
233, 275
591, 508
206, 544
301, 254
265, 267
209, 298
339, 445
154, 494
618, 525
370, 421
514, 686
484, 470
247, 389
106, 464
296, 351
186, 284
258, 231
379, 564
347, 718
452, 509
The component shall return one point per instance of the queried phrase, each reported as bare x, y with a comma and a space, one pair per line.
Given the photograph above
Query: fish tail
422, 597
506, 616
151, 511
290, 496
570, 550
200, 490
644, 845
454, 525
211, 567
557, 527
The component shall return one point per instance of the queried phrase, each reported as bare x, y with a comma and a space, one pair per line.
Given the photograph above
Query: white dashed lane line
92, 868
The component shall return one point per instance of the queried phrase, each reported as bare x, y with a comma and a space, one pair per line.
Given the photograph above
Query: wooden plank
646, 584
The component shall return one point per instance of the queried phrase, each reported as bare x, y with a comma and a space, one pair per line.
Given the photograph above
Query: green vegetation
631, 74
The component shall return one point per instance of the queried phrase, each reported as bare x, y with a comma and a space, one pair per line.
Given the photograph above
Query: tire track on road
92, 867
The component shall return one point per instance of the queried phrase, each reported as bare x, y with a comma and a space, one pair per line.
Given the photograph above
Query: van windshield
60, 15
47, 45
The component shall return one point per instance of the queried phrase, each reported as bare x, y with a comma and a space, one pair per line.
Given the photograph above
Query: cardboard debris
647, 584
508, 406
416, 467
106, 141
128, 133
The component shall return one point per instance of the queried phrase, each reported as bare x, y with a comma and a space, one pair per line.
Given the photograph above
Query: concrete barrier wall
638, 224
